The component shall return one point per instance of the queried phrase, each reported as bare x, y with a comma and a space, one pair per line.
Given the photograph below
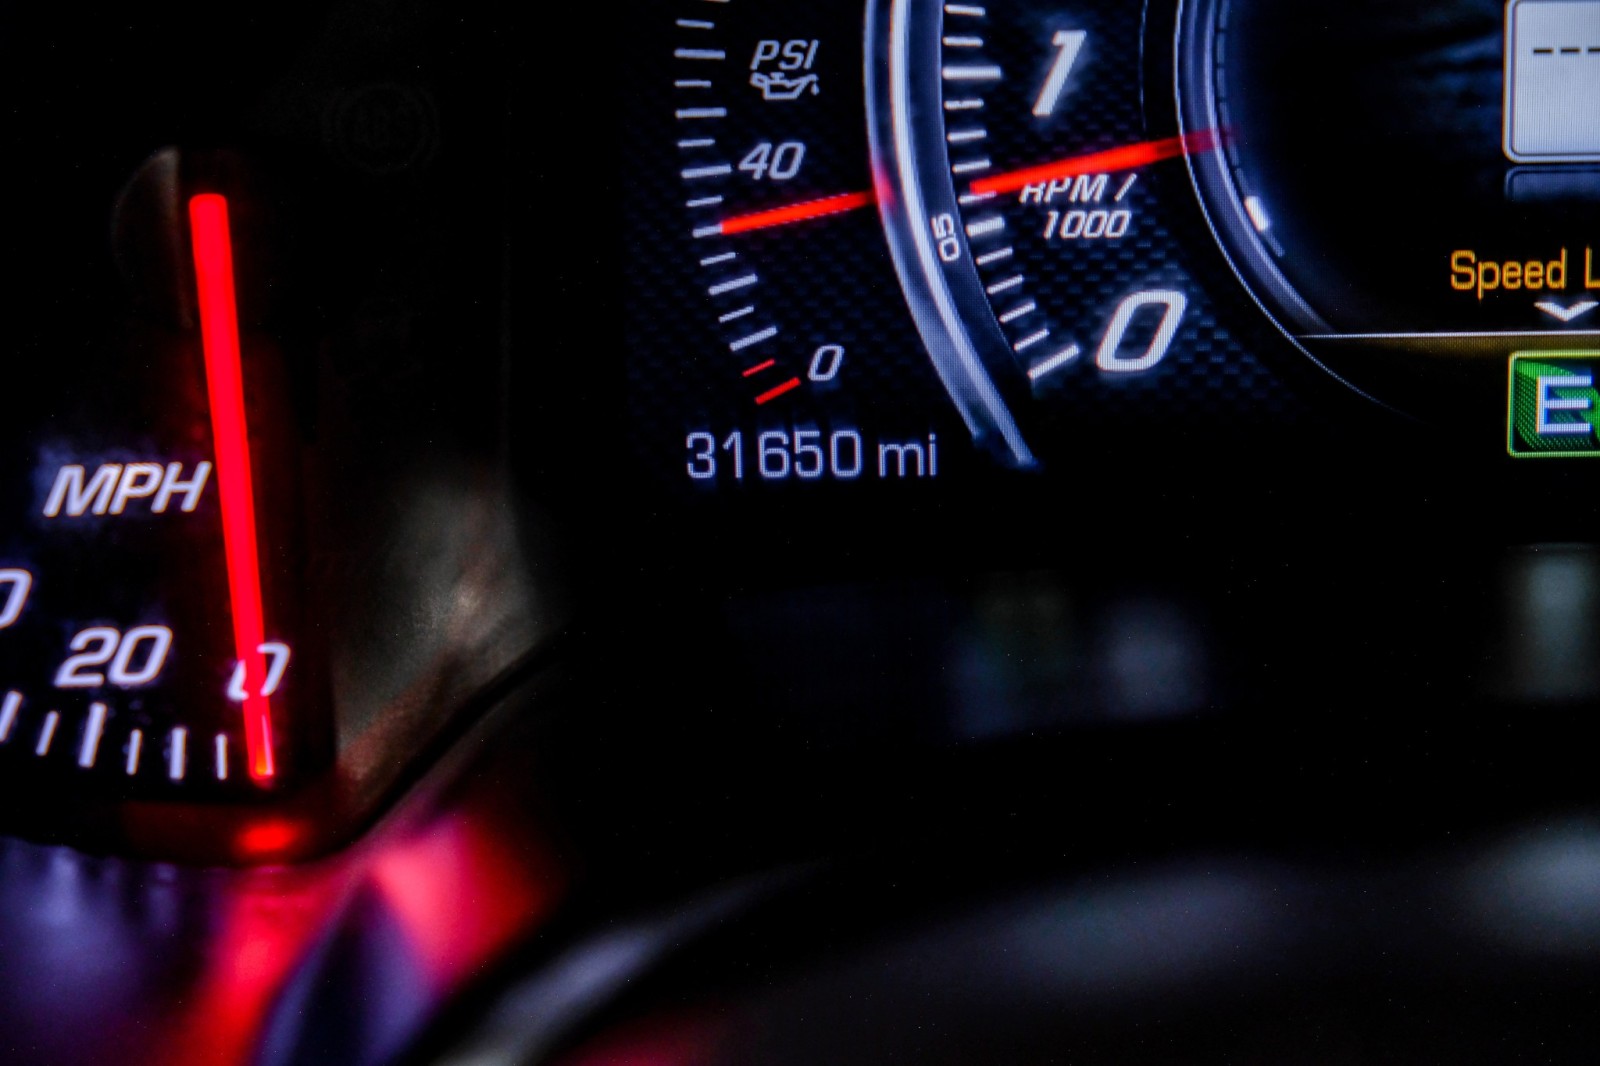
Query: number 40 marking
1069, 45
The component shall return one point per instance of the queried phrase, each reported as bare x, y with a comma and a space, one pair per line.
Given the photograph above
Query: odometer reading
808, 454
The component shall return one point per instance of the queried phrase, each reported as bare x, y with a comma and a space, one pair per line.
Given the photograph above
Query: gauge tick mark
972, 73
91, 736
178, 754
47, 734
1028, 342
732, 286
8, 715
754, 339
782, 390
1054, 363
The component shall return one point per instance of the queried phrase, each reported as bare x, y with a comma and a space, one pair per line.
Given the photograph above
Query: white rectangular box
1552, 108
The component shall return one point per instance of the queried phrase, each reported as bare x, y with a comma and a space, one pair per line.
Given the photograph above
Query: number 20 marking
100, 645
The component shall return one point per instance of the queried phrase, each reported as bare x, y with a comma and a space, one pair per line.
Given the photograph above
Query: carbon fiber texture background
831, 281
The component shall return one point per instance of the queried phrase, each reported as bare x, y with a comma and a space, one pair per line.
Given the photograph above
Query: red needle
219, 330
788, 216
1128, 157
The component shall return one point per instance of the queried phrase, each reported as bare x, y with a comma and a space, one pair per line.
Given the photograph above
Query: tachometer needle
1128, 157
219, 330
804, 212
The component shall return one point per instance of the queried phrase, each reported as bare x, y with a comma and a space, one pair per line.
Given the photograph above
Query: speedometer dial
157, 450
254, 554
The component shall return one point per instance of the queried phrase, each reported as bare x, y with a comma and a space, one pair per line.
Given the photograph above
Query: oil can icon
1552, 76
779, 86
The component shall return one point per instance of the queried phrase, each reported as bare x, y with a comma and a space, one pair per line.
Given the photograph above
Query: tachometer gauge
1019, 184
995, 169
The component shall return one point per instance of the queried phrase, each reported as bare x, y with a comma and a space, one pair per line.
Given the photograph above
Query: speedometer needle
219, 331
1128, 157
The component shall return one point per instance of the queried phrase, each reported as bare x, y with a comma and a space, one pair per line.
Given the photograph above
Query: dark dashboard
723, 531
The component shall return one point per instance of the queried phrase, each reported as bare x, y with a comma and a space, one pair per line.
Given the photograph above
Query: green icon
1555, 404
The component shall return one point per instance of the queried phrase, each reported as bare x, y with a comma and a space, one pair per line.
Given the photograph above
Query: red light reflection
678, 1041
458, 892
263, 938
265, 841
460, 889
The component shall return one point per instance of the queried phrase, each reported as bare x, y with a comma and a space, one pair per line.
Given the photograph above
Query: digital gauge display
1409, 190
1113, 227
777, 209
913, 245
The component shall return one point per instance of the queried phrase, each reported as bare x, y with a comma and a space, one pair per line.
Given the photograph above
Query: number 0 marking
277, 658
1172, 305
1069, 45
14, 587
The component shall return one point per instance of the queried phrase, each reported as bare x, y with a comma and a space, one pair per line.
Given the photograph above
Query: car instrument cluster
899, 262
